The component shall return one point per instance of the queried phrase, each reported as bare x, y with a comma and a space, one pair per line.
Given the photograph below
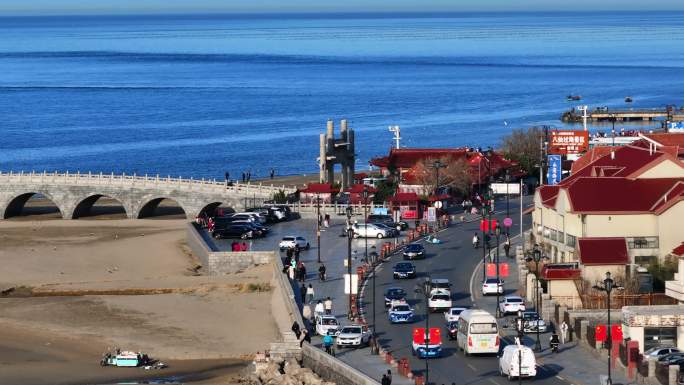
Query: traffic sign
354, 283
508, 222
438, 204
432, 214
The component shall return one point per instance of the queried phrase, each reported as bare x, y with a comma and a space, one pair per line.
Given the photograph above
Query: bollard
673, 374
404, 367
420, 380
651, 367
388, 358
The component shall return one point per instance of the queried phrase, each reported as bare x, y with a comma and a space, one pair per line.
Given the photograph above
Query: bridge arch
84, 206
161, 206
16, 205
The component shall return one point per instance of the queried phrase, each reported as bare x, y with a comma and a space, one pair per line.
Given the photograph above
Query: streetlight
318, 226
374, 348
497, 231
537, 257
507, 179
437, 165
364, 194
608, 286
521, 333
425, 290
350, 236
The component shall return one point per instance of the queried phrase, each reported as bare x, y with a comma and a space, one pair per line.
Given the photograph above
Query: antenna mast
397, 134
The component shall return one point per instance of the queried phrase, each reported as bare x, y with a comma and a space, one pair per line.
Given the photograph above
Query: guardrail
111, 179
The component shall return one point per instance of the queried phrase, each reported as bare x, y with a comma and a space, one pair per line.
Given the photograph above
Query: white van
478, 332
517, 361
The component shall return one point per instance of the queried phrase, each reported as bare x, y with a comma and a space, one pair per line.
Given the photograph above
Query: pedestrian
244, 177
210, 225
293, 263
319, 308
302, 293
326, 220
289, 252
306, 337
320, 220
507, 246
296, 253
244, 246
389, 375
310, 293
564, 332
302, 272
291, 272
296, 330
385, 380
227, 176
306, 311
249, 176
272, 173
328, 305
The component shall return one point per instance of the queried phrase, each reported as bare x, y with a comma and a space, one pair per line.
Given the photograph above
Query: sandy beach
207, 326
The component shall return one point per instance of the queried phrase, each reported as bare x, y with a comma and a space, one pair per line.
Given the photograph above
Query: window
570, 240
561, 237
645, 260
488, 328
642, 243
553, 235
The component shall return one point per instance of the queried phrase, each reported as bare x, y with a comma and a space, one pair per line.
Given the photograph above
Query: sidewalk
574, 363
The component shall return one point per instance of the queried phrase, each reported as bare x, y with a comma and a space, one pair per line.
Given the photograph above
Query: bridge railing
102, 179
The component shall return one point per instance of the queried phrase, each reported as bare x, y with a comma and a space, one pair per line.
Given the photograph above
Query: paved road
456, 260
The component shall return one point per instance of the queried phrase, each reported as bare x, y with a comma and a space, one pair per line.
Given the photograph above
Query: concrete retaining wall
215, 262
332, 369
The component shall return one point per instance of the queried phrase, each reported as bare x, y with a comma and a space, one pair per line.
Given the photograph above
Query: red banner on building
568, 142
503, 269
600, 333
616, 333
491, 270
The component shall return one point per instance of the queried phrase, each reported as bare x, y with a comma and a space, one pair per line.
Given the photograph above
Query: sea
201, 95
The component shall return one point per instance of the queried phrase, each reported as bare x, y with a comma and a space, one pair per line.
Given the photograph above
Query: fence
335, 208
620, 300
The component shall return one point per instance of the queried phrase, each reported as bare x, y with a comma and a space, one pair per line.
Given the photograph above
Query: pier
602, 114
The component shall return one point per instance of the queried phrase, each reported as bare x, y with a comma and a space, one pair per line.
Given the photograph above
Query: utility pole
397, 134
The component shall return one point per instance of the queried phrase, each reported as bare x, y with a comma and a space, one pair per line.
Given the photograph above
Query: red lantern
419, 335
484, 225
503, 270
493, 224
491, 269
435, 336
600, 333
616, 333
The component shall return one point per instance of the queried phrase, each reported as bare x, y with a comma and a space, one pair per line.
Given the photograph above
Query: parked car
394, 294
452, 329
404, 270
661, 351
490, 286
414, 251
453, 314
258, 229
326, 324
391, 231
517, 361
292, 241
233, 231
439, 300
532, 321
388, 220
671, 359
354, 336
511, 304
369, 230
400, 312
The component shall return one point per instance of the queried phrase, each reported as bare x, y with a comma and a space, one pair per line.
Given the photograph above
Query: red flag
484, 225
503, 270
616, 333
600, 333
493, 224
491, 269
419, 335
435, 336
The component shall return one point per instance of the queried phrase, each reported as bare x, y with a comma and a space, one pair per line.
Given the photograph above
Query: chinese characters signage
568, 142
554, 173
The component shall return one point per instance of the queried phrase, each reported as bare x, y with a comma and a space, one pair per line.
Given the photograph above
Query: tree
454, 174
522, 146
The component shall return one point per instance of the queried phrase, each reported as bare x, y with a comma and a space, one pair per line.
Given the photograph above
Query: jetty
604, 114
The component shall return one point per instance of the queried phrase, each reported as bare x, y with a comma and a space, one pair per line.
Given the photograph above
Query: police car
400, 312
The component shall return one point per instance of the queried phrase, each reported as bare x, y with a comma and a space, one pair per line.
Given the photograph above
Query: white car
453, 314
291, 242
440, 284
439, 300
369, 230
353, 335
326, 325
489, 286
517, 361
511, 304
660, 351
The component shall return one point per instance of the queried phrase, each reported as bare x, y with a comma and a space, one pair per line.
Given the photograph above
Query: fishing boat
125, 359
574, 98
628, 99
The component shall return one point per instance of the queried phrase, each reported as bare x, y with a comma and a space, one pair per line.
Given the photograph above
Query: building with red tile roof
314, 191
356, 193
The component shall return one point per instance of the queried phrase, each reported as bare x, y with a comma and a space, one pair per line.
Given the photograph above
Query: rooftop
319, 188
603, 251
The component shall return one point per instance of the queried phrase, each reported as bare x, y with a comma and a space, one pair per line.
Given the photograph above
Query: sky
65, 7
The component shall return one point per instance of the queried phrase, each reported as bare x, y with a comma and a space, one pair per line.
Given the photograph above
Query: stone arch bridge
75, 194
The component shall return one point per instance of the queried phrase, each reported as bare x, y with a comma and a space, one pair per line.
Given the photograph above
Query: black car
404, 270
394, 294
452, 329
233, 231
258, 229
387, 220
414, 251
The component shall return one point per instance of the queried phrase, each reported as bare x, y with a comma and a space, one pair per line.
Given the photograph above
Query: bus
477, 333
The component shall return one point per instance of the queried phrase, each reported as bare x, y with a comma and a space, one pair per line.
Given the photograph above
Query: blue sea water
201, 95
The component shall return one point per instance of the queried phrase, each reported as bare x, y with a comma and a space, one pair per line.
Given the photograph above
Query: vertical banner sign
432, 214
553, 175
616, 333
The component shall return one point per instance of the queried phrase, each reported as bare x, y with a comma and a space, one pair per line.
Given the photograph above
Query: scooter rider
476, 241
554, 342
328, 344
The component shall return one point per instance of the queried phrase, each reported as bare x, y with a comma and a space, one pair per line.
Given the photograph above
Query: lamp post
507, 179
521, 333
364, 195
484, 248
437, 165
318, 226
608, 286
537, 257
497, 231
350, 236
425, 290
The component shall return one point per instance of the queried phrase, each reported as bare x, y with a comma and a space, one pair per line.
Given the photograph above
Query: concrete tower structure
337, 151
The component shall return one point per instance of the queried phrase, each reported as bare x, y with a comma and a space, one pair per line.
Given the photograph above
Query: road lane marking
472, 277
560, 378
493, 381
472, 367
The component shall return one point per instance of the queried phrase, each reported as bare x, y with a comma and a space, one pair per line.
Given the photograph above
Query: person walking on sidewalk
564, 332
385, 380
306, 337
507, 246
389, 375
302, 293
310, 293
328, 306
